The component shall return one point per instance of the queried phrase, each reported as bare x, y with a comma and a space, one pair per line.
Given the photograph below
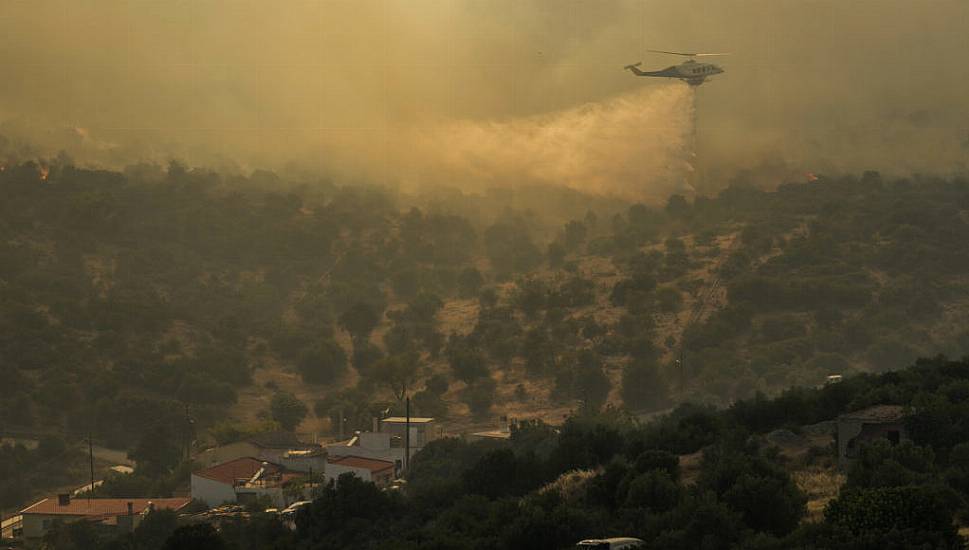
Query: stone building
878, 422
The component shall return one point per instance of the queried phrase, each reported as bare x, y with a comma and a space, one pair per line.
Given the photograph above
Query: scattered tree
324, 363
157, 452
575, 235
397, 373
286, 409
197, 536
643, 387
359, 320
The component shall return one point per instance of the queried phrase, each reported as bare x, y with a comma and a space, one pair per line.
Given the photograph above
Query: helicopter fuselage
691, 72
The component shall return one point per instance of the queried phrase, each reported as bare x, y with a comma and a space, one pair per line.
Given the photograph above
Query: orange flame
44, 172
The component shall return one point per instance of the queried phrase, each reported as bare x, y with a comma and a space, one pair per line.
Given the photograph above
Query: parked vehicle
614, 543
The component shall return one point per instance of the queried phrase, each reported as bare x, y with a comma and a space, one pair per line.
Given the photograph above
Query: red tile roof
103, 506
234, 470
375, 466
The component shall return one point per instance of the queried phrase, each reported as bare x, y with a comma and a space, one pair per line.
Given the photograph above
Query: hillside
146, 297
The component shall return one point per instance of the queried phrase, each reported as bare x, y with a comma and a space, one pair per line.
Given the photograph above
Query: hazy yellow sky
346, 85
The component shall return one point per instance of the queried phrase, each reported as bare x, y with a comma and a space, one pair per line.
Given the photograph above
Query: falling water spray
694, 177
638, 145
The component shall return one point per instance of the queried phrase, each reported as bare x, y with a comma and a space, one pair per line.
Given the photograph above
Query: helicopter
690, 71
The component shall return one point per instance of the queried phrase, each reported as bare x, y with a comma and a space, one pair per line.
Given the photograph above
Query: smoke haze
474, 92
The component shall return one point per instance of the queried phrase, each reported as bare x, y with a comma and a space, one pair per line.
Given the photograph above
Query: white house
388, 440
379, 472
241, 480
422, 430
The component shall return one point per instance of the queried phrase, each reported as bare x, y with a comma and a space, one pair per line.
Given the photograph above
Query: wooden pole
407, 433
90, 451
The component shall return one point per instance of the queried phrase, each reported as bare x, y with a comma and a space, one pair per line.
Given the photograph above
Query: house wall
315, 464
859, 432
382, 479
374, 441
334, 471
34, 527
9, 525
212, 492
420, 434
847, 430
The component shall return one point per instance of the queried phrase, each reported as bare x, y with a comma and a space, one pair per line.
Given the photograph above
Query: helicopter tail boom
668, 73
634, 68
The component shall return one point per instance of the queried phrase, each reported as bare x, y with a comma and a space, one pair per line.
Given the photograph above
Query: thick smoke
367, 88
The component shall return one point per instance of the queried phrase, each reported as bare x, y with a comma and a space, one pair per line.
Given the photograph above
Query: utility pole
90, 452
189, 432
341, 423
407, 433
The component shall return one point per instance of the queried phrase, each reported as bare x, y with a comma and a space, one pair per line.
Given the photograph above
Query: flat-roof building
422, 430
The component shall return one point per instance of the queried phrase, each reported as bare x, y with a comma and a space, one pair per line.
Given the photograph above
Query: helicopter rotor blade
688, 54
